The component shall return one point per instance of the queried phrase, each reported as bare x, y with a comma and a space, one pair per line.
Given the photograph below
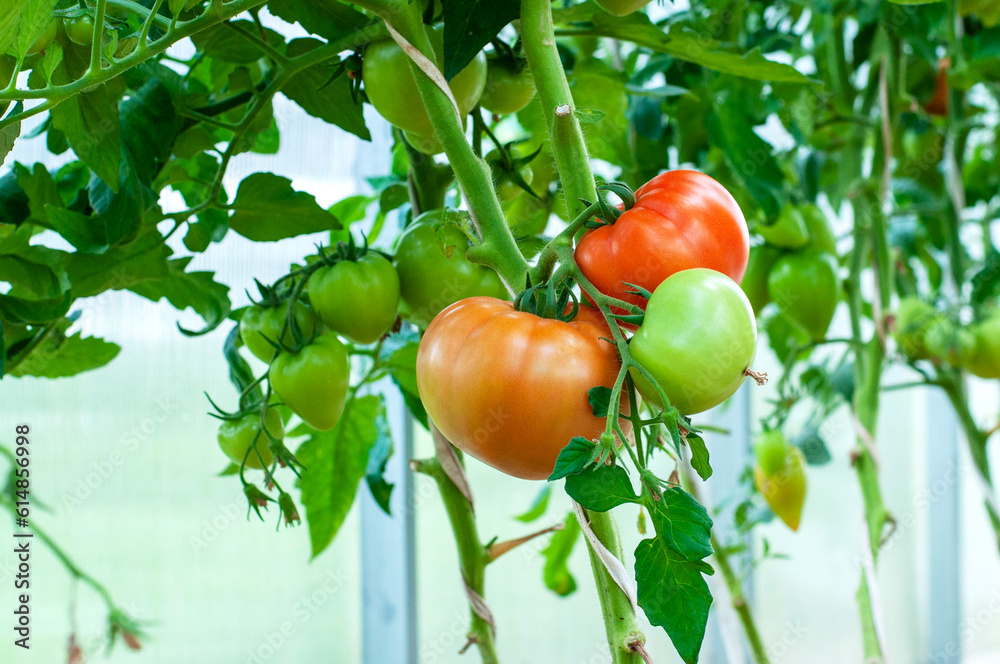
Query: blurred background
126, 462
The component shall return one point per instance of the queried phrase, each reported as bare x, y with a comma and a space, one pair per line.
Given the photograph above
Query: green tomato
526, 215
260, 326
428, 145
392, 88
357, 299
788, 232
622, 7
946, 342
913, 319
237, 436
784, 485
769, 449
314, 381
754, 284
820, 231
44, 39
507, 90
80, 29
984, 358
805, 287
697, 340
435, 272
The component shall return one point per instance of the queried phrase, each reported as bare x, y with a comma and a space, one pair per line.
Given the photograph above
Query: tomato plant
245, 442
264, 328
356, 298
510, 387
681, 220
313, 381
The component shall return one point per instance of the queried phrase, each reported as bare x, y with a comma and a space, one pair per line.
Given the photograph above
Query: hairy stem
619, 619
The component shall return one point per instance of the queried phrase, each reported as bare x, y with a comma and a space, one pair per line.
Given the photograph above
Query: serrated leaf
573, 458
682, 524
330, 20
601, 489
335, 461
176, 6
674, 595
589, 115
8, 135
469, 25
378, 457
90, 122
600, 400
556, 574
197, 290
330, 101
225, 43
59, 356
52, 58
699, 456
33, 311
267, 209
119, 267
538, 506
34, 18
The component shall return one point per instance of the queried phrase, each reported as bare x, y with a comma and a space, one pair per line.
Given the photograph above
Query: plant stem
739, 601
472, 555
497, 248
568, 146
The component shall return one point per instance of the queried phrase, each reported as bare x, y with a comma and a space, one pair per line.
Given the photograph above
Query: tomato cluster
924, 333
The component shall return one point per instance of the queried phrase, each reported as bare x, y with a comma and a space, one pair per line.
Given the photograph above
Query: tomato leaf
556, 574
674, 595
330, 20
268, 209
986, 282
330, 101
120, 267
600, 400
378, 457
813, 447
699, 456
601, 489
573, 458
682, 523
198, 290
59, 355
225, 43
469, 25
90, 122
335, 461
537, 508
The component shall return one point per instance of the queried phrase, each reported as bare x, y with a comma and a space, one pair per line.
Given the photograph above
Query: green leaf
226, 44
680, 43
330, 20
120, 267
35, 278
268, 209
322, 98
682, 523
602, 101
32, 311
11, 10
600, 400
469, 25
335, 461
34, 19
59, 356
914, 2
90, 122
699, 456
378, 457
198, 290
573, 458
674, 595
986, 282
8, 135
813, 447
601, 489
557, 576
537, 508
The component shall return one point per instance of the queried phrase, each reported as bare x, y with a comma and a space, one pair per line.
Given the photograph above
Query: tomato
527, 215
80, 29
392, 89
44, 39
913, 318
357, 299
805, 286
697, 340
622, 7
780, 476
754, 283
507, 90
938, 103
259, 325
984, 358
510, 388
681, 220
788, 232
507, 189
313, 382
821, 235
434, 271
428, 145
237, 436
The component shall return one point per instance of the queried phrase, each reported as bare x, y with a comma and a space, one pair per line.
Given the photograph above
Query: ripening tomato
357, 299
754, 284
697, 340
681, 220
788, 231
780, 476
237, 436
938, 103
804, 284
508, 90
510, 388
434, 270
622, 7
313, 382
392, 89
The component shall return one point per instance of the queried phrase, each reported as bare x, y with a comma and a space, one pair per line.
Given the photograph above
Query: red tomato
681, 220
509, 387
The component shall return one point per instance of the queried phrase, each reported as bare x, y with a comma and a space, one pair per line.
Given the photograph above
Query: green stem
497, 248
568, 146
739, 601
473, 556
428, 181
620, 623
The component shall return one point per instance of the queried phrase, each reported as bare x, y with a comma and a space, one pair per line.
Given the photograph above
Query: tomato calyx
507, 167
607, 214
256, 499
544, 301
